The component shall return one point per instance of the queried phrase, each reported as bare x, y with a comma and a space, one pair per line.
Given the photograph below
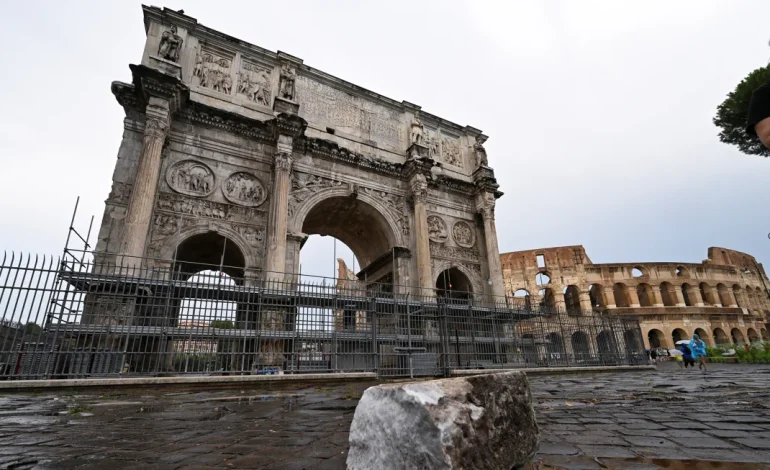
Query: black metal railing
80, 316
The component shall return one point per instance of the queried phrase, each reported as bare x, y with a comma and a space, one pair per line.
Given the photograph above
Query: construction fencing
72, 317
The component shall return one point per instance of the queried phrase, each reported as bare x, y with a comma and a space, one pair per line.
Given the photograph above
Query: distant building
724, 299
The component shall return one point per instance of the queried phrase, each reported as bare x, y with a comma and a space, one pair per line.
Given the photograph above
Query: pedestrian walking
687, 358
654, 355
698, 348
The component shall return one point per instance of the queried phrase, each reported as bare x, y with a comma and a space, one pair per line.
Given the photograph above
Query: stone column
657, 297
609, 296
695, 298
585, 302
419, 192
279, 209
678, 296
633, 297
559, 302
139, 212
485, 204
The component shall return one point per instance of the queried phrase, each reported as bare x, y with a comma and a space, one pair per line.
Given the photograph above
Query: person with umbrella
687, 357
698, 348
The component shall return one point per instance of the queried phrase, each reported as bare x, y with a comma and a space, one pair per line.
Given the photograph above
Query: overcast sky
599, 113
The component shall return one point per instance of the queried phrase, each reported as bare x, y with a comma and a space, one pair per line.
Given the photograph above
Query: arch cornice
297, 219
170, 243
441, 265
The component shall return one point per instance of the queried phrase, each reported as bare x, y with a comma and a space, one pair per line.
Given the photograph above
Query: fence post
375, 346
443, 337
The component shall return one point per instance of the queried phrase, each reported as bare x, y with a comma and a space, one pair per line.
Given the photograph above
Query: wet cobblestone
622, 420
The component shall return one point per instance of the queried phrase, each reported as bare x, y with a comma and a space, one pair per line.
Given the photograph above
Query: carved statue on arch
170, 45
288, 77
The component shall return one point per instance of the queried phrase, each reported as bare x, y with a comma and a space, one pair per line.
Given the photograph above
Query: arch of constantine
723, 299
232, 155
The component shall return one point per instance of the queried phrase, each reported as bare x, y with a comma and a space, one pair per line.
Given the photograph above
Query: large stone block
484, 421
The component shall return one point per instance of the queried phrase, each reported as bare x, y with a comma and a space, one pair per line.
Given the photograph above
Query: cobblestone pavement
666, 418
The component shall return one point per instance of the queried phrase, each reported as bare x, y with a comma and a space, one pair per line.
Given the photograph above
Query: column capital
157, 118
485, 205
283, 161
418, 188
151, 83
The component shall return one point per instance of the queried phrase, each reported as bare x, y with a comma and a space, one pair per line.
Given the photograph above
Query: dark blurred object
732, 114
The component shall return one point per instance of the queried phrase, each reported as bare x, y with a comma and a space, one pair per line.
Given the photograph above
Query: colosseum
723, 299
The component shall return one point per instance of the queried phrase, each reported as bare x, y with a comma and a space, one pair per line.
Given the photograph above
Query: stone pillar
695, 298
585, 302
633, 297
679, 296
139, 212
657, 297
419, 192
279, 209
609, 297
559, 303
485, 204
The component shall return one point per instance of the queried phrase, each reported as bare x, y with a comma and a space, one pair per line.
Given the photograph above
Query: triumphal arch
232, 155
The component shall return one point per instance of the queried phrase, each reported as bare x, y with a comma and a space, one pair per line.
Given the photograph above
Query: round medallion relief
244, 189
437, 229
463, 234
191, 177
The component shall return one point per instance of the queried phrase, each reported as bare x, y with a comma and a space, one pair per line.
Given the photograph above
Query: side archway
209, 251
440, 266
678, 335
702, 334
720, 337
656, 339
753, 336
453, 283
737, 336
212, 238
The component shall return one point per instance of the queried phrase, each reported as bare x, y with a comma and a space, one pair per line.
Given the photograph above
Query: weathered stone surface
484, 421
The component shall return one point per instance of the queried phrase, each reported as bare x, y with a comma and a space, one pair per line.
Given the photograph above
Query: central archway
355, 223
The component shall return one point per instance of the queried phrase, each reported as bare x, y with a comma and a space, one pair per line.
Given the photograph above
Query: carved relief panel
437, 231
191, 177
450, 151
463, 234
213, 70
254, 83
244, 189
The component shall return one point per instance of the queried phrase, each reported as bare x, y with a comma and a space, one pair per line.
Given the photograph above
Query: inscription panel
324, 104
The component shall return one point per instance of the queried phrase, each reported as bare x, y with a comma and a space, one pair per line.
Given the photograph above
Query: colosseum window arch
738, 294
596, 294
688, 292
724, 295
622, 298
681, 271
639, 271
572, 299
646, 296
547, 300
707, 294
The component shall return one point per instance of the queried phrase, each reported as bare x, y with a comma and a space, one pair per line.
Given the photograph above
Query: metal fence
71, 317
